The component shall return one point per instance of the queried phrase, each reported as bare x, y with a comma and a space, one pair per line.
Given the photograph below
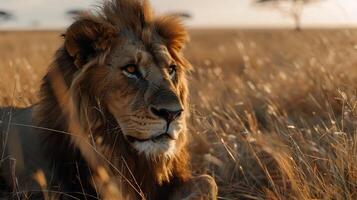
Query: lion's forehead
136, 53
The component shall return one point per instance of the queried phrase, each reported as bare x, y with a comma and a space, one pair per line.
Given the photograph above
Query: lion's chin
164, 147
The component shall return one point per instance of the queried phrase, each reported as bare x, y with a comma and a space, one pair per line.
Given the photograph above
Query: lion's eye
131, 71
172, 70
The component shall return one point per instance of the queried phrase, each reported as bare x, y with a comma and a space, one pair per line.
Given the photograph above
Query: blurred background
53, 14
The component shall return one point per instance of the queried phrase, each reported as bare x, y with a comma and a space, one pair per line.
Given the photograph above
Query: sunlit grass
273, 113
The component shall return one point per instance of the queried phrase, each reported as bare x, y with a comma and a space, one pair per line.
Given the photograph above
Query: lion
111, 116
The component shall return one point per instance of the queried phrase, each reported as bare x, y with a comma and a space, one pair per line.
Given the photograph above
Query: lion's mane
79, 129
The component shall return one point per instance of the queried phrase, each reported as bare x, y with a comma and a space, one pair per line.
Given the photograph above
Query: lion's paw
201, 187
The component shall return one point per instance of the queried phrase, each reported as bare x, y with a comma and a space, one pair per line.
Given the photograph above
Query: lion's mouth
156, 138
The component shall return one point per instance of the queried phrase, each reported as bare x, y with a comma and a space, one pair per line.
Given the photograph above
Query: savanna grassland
273, 112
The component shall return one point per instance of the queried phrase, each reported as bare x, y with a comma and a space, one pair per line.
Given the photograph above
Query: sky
50, 14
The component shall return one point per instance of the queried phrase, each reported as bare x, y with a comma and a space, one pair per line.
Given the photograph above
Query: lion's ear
171, 29
87, 38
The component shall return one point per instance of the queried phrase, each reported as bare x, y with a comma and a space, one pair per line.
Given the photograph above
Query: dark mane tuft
136, 16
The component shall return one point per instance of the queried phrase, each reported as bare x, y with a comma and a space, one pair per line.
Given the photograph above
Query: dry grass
274, 112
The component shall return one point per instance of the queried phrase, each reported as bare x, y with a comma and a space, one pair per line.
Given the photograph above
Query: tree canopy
291, 8
5, 15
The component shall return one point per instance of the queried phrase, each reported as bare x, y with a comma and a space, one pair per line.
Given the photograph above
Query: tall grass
273, 113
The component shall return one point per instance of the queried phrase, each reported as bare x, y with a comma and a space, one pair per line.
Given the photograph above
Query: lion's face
145, 97
136, 71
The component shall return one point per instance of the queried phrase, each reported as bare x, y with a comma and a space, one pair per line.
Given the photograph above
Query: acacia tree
5, 16
291, 8
73, 13
182, 15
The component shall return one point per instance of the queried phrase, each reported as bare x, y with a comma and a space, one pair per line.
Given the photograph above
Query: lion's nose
166, 114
